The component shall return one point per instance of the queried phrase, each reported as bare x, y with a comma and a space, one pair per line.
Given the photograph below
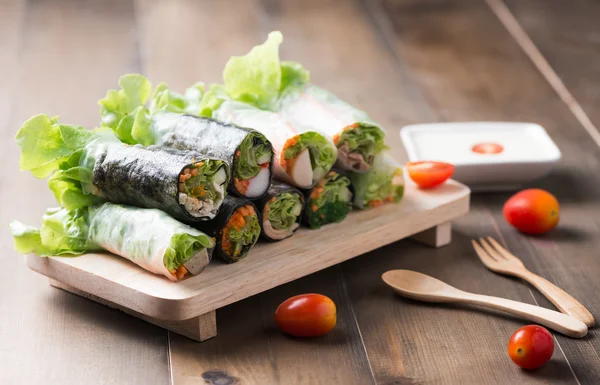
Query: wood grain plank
568, 37
248, 349
468, 66
69, 52
406, 342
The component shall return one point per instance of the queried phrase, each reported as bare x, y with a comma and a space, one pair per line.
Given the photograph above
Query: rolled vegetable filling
357, 146
251, 167
240, 233
329, 201
307, 157
165, 247
281, 215
383, 184
202, 187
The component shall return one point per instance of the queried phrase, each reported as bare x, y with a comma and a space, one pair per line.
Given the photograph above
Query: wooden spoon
422, 287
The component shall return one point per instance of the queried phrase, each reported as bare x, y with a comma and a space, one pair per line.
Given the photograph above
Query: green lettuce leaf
244, 237
284, 211
255, 78
293, 74
45, 144
366, 139
246, 164
135, 91
182, 248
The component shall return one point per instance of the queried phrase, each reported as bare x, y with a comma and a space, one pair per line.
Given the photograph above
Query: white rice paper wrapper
139, 235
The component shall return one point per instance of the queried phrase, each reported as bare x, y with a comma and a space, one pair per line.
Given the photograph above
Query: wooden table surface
404, 61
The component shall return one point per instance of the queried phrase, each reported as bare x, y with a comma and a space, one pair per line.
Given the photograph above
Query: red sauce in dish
487, 148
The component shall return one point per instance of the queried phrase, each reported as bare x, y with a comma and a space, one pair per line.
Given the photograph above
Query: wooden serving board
188, 307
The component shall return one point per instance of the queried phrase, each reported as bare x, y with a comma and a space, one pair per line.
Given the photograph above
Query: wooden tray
188, 307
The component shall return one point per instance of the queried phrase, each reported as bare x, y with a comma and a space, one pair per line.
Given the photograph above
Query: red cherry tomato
429, 174
487, 148
531, 346
306, 315
532, 211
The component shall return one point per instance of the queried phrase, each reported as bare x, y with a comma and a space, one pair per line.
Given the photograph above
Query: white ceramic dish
527, 154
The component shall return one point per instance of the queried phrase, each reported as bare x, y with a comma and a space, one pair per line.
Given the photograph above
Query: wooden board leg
438, 236
198, 328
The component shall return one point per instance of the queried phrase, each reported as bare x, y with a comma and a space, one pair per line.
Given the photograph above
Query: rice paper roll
302, 155
147, 237
247, 152
91, 167
357, 137
384, 183
235, 229
329, 201
280, 212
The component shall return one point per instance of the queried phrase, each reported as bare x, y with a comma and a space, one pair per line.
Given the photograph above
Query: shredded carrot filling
237, 222
288, 143
265, 165
199, 191
375, 203
238, 153
180, 272
336, 139
314, 208
389, 199
241, 185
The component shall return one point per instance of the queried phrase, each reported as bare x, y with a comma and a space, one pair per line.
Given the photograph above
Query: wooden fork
499, 260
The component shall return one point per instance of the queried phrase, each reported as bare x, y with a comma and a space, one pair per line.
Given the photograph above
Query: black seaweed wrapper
214, 227
209, 137
144, 177
307, 192
275, 189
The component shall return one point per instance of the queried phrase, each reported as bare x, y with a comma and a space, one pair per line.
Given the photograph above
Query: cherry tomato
487, 148
531, 346
306, 315
532, 211
429, 174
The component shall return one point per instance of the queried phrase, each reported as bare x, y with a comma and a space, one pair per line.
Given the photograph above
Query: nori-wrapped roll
235, 229
247, 152
280, 211
90, 167
329, 201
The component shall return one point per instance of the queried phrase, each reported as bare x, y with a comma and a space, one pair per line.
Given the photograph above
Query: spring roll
329, 201
280, 211
383, 183
302, 156
166, 247
261, 79
247, 152
357, 138
91, 167
235, 229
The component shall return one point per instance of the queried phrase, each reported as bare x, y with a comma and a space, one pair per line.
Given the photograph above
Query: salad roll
280, 211
93, 166
166, 247
262, 80
357, 138
235, 229
383, 183
247, 152
329, 201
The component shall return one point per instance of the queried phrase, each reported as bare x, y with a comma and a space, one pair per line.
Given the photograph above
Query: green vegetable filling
240, 233
381, 190
202, 179
254, 151
183, 247
330, 201
284, 210
365, 139
322, 153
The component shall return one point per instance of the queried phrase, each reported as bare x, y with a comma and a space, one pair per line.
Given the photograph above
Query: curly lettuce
284, 210
254, 150
243, 237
